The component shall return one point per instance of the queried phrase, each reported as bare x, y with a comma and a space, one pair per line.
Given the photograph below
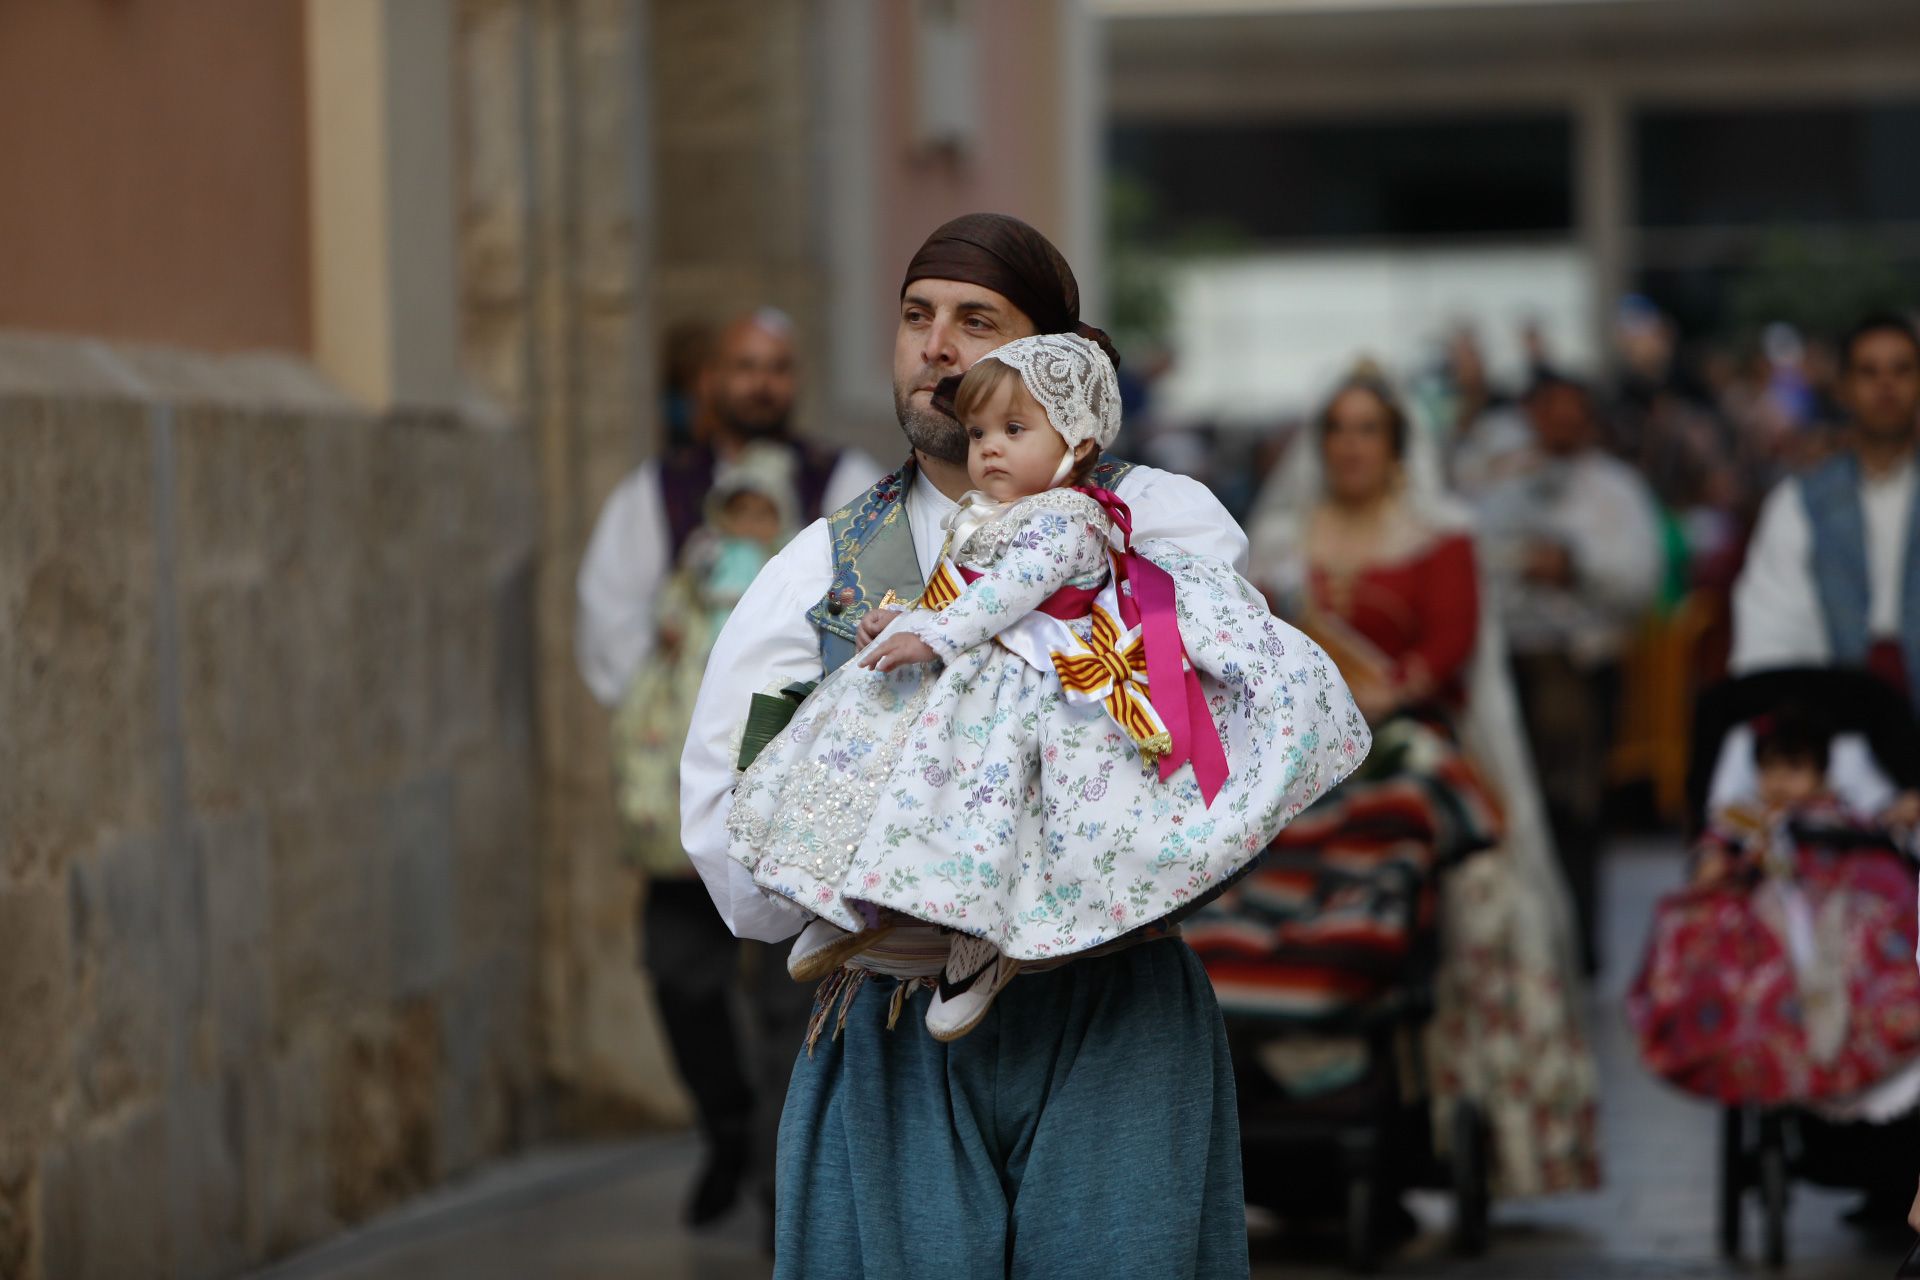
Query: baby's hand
897, 651
873, 624
1904, 812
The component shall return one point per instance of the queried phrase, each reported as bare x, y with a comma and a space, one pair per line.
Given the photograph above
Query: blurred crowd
1527, 587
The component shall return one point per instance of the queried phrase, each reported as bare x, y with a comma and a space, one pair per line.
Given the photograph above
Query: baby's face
1790, 784
751, 515
1012, 450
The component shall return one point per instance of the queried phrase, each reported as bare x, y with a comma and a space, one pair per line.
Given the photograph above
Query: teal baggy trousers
1086, 1128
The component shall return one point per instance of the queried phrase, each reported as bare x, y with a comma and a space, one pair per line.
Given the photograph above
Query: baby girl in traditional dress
1064, 740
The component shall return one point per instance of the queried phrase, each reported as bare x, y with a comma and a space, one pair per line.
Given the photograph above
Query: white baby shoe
976, 972
822, 947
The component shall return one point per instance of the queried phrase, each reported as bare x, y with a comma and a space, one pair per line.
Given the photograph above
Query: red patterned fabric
1717, 1006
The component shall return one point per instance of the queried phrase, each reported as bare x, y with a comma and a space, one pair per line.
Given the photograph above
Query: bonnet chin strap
1173, 686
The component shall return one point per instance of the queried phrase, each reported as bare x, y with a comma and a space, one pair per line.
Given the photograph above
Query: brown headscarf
1006, 255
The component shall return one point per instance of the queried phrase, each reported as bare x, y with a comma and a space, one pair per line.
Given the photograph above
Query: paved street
610, 1211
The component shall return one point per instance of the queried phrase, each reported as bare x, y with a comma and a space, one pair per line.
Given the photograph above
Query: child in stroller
1781, 982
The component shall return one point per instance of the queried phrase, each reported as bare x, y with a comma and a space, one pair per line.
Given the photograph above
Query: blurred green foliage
1142, 250
1822, 283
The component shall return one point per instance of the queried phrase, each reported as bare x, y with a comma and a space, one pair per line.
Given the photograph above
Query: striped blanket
1335, 913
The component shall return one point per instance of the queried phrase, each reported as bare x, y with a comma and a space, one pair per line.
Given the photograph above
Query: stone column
1604, 208
1083, 152
381, 186
557, 321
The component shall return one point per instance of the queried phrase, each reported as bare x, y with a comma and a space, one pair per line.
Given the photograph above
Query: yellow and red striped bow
1111, 667
943, 588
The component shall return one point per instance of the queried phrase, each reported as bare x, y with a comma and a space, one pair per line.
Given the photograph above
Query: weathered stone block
721, 200
487, 1026
78, 536
419, 824
700, 78
239, 940
120, 966
205, 1179
331, 909
289, 1205
383, 1095
466, 641
104, 1202
226, 727
383, 657
19, 1211
492, 87
493, 336
36, 1009
497, 889
241, 495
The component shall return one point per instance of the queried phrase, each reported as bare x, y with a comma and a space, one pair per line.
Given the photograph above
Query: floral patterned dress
973, 793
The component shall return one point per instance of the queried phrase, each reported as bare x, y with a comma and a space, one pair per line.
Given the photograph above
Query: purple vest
686, 477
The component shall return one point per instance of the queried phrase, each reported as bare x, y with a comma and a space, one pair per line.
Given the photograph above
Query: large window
1768, 166
1391, 179
1808, 213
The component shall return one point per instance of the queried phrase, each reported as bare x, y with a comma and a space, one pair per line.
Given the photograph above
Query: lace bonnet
1074, 382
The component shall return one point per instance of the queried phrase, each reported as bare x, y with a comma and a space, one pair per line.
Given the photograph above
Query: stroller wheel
1733, 1178
1472, 1180
1362, 1206
1773, 1194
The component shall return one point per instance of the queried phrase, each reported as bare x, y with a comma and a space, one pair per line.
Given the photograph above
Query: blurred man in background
746, 395
751, 383
1831, 573
1574, 553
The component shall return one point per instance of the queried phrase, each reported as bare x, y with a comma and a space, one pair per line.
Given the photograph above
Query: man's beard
1888, 430
749, 427
930, 431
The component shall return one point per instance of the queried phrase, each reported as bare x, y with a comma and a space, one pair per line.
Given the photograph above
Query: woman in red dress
1356, 545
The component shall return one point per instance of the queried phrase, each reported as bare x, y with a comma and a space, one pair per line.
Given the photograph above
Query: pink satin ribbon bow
1173, 686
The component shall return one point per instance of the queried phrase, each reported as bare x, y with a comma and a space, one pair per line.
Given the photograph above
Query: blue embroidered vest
1830, 494
873, 554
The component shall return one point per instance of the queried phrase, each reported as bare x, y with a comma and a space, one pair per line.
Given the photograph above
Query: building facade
325, 329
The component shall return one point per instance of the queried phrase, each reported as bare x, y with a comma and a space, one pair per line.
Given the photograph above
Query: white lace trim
1074, 382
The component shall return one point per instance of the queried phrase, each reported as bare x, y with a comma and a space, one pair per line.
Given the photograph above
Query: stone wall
733, 96
269, 894
557, 319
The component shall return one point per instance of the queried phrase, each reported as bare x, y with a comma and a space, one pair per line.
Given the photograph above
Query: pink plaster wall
153, 180
1013, 168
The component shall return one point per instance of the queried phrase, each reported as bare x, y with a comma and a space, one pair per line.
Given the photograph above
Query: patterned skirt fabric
1732, 1006
1508, 1032
977, 797
1334, 915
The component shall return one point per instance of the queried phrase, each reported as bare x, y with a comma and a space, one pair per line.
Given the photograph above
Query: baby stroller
1333, 939
1766, 1145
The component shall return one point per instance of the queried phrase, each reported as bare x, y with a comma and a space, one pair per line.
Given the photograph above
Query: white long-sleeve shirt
1777, 619
768, 643
627, 563
1603, 513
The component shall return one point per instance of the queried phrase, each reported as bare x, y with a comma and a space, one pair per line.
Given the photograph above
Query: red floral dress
1727, 1006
